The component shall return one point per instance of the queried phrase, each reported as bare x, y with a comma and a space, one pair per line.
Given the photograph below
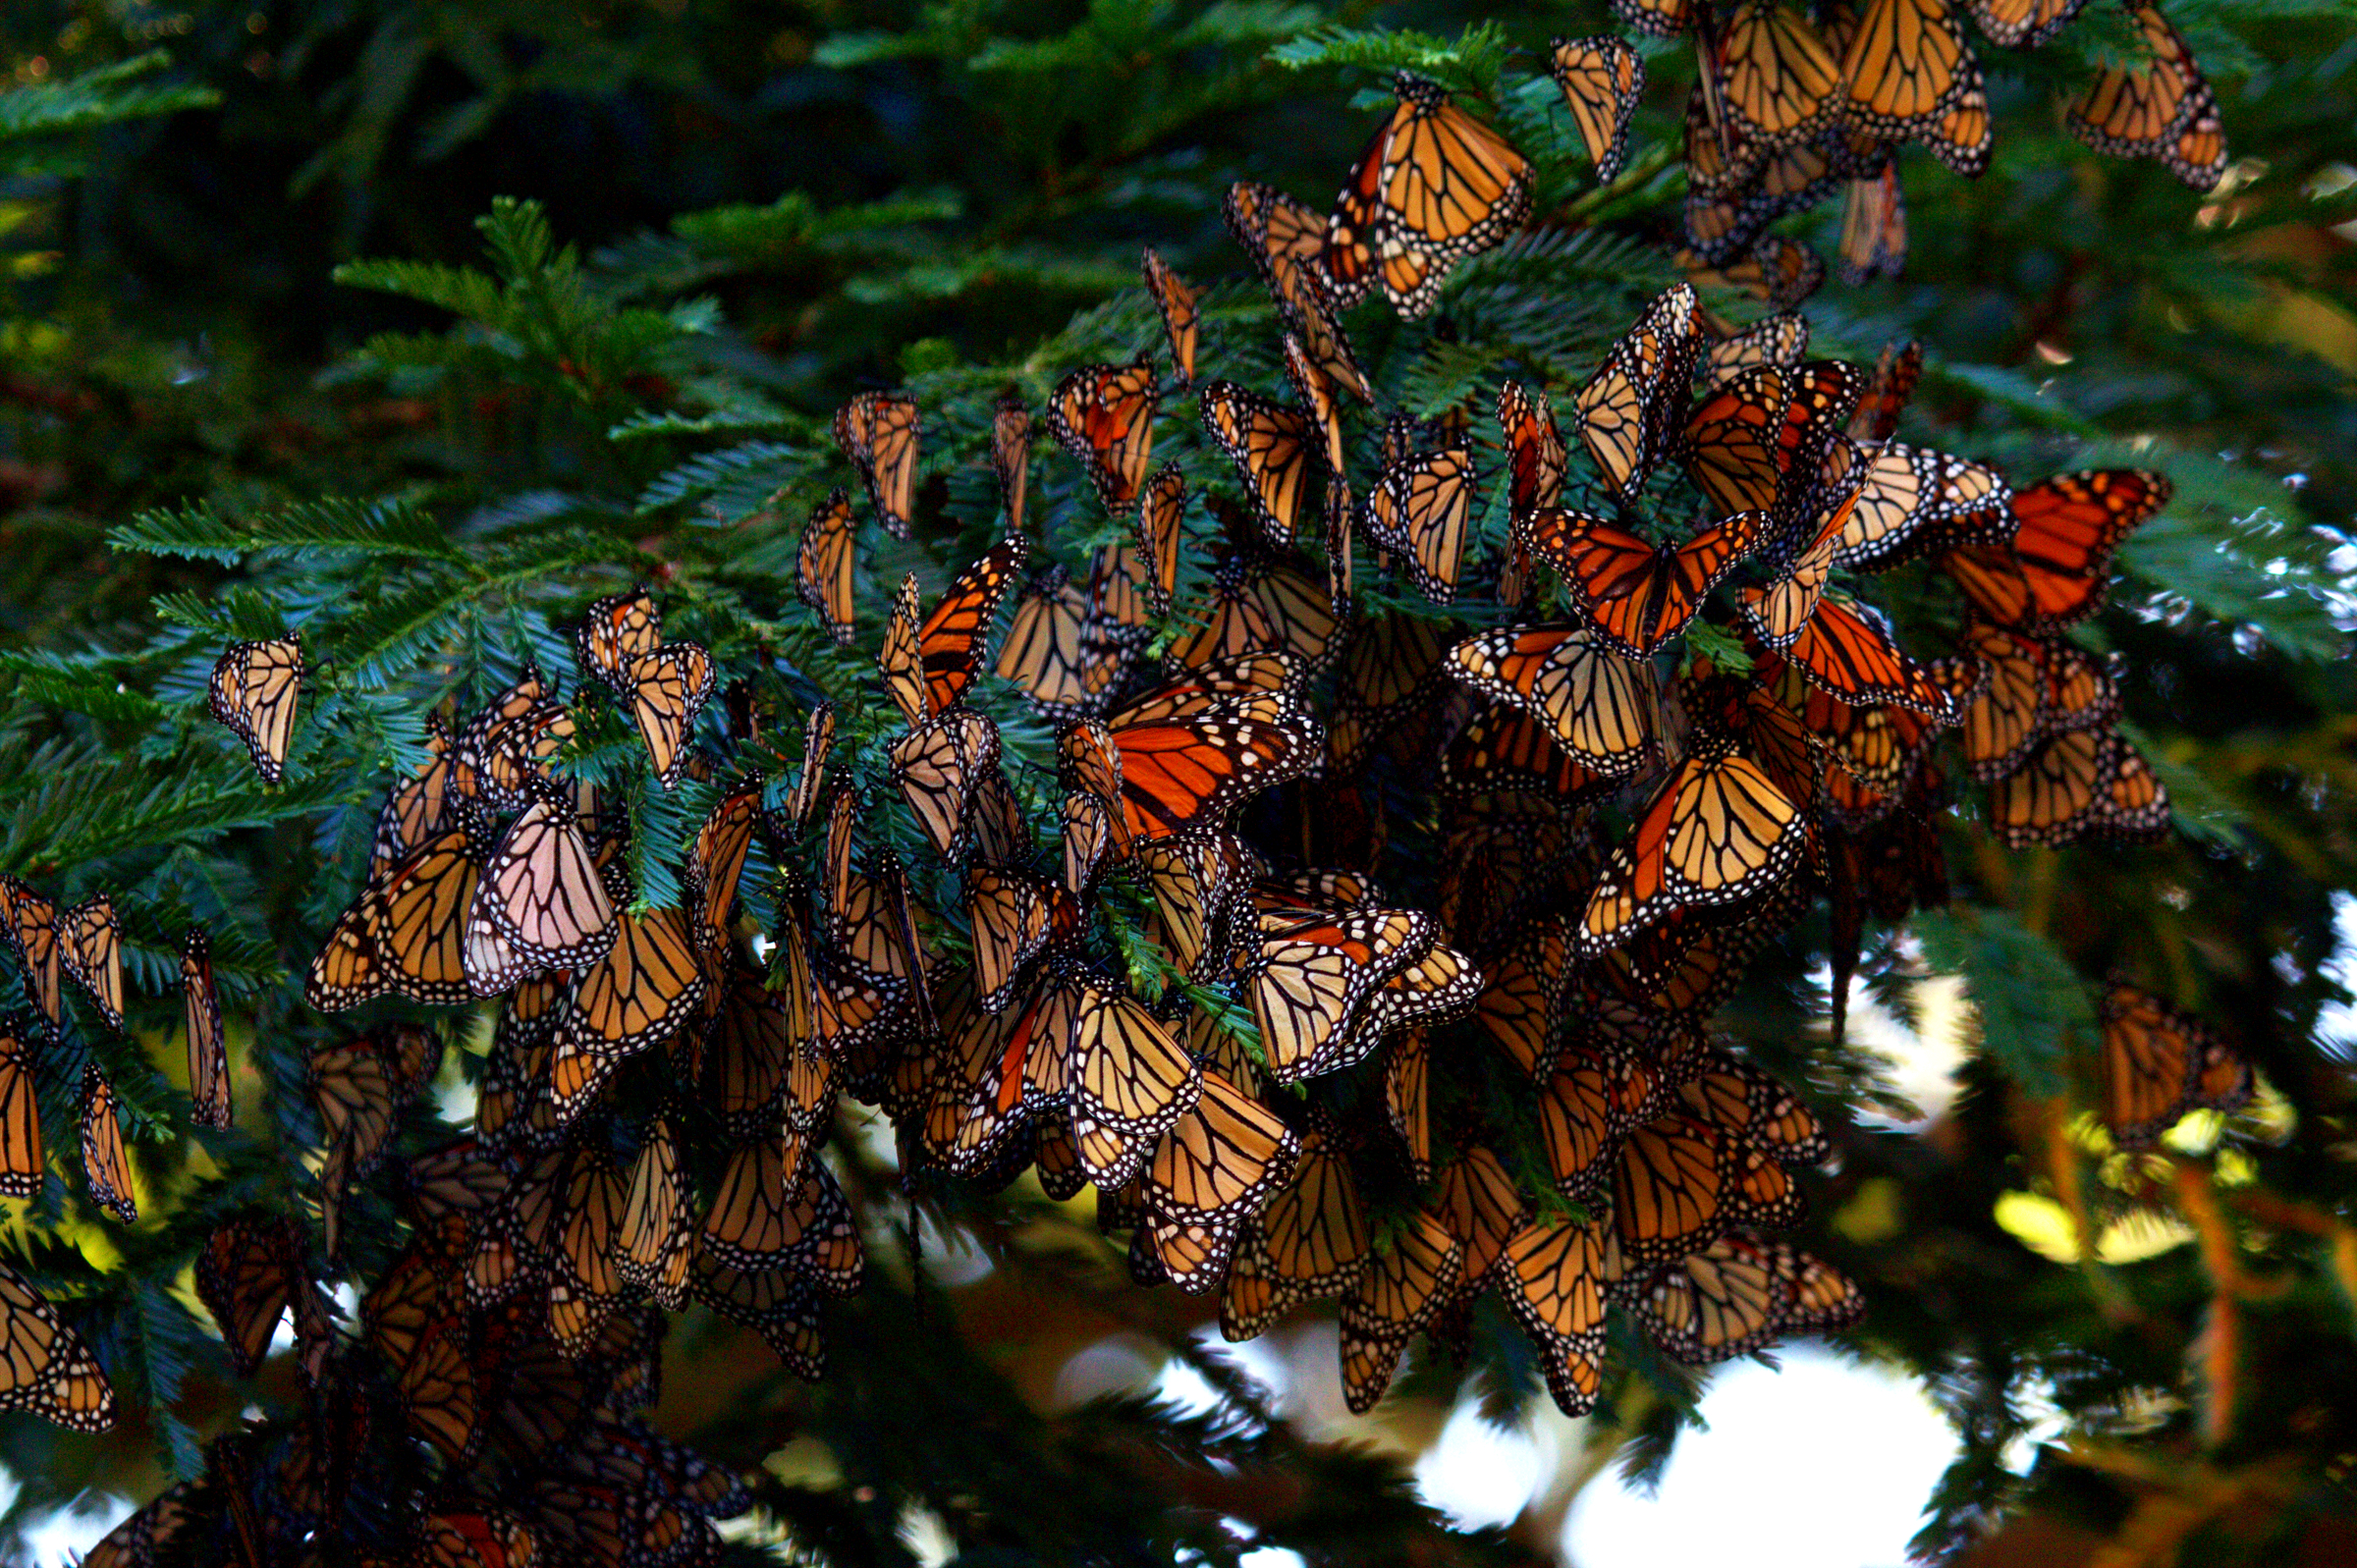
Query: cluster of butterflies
527, 1455
1166, 966
1792, 104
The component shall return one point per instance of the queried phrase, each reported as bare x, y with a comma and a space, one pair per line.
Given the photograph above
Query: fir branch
2027, 996
103, 97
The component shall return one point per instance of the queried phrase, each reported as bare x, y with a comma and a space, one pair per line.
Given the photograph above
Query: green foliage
2028, 997
706, 226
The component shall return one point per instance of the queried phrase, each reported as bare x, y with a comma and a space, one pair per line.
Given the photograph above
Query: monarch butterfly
1284, 238
1310, 385
1420, 510
1739, 1097
539, 902
1782, 339
878, 431
937, 766
420, 806
2006, 715
950, 639
1596, 1096
818, 740
1435, 187
2056, 794
716, 859
1104, 417
1554, 1280
1341, 561
823, 565
1180, 315
1771, 77
90, 946
1740, 1294
1008, 912
1391, 667
1479, 1202
1888, 388
1398, 1293
1002, 1070
774, 1196
1598, 706
1638, 594
355, 1094
1880, 748
20, 1157
31, 926
1717, 832
1440, 985
751, 1043
1187, 763
775, 1303
1526, 993
1844, 652
142, 1539
1778, 609
1700, 955
1536, 460
246, 1279
1659, 18
253, 691
1270, 444
1090, 764
1251, 1298
1759, 442
615, 633
1778, 271
1308, 979
1912, 500
1311, 1238
46, 1369
1010, 457
1874, 228
2160, 1063
209, 1056
1193, 880
445, 1192
1601, 80
2066, 531
1057, 650
2023, 24
1130, 1083
2079, 692
106, 1167
584, 1279
1216, 1164
2163, 109
1260, 602
669, 688
1632, 408
642, 992
509, 742
1407, 1096
1906, 70
899, 662
1674, 1189
2135, 809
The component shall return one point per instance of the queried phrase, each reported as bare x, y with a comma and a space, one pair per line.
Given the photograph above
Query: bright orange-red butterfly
1636, 593
1104, 417
1190, 751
